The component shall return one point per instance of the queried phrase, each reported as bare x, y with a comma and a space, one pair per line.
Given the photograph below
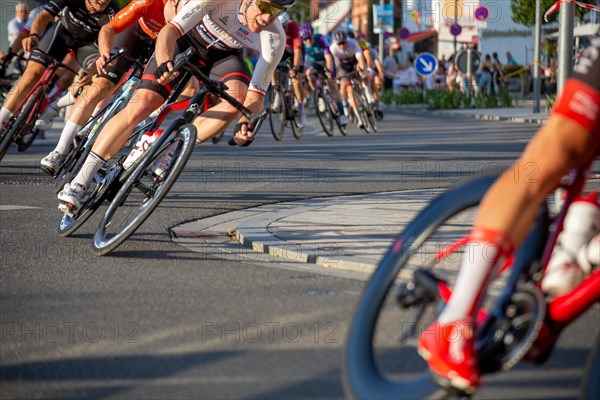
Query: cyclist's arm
37, 28
297, 54
329, 62
186, 19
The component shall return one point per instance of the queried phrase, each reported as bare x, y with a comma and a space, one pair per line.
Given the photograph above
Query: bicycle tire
277, 120
20, 122
97, 195
186, 134
358, 101
27, 140
362, 378
371, 118
325, 117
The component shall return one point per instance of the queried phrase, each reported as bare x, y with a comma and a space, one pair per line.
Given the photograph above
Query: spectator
15, 25
497, 73
509, 59
451, 75
485, 79
391, 68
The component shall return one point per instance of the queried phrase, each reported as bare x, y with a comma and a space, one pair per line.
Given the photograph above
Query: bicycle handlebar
122, 52
182, 60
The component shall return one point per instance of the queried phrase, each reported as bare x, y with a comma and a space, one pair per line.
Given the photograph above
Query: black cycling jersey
80, 23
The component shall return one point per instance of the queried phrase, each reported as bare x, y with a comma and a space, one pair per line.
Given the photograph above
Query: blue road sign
455, 29
426, 64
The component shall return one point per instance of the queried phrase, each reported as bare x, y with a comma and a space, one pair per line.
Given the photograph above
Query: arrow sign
426, 64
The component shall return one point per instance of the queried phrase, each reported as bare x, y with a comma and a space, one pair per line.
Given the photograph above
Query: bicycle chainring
506, 337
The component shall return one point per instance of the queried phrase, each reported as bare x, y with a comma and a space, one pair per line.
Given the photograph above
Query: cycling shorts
218, 65
57, 41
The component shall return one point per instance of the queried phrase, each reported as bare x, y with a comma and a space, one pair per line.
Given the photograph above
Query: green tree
523, 11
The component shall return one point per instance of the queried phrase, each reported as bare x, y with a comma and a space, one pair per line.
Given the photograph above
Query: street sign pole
469, 69
381, 33
565, 43
536, 56
455, 23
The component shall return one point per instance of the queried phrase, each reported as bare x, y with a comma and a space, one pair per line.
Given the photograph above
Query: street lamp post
455, 22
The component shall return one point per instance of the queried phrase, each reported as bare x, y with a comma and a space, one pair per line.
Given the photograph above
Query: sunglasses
341, 43
268, 8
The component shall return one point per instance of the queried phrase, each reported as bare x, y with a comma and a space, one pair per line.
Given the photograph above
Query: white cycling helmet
284, 18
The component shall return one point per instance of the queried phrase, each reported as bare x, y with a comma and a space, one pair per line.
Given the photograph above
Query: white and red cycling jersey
209, 24
580, 99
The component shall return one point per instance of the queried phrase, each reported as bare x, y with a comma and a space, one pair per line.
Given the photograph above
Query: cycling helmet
340, 36
351, 35
284, 18
285, 4
306, 31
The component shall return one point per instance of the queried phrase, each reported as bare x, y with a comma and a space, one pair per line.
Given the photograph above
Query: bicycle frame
561, 310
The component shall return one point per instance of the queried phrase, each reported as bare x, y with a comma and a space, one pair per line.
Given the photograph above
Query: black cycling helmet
340, 36
351, 35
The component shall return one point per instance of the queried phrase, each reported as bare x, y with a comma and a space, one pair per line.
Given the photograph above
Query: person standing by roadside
496, 73
390, 67
16, 25
485, 80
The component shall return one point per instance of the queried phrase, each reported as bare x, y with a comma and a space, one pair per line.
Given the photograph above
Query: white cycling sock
478, 259
89, 169
66, 100
5, 115
67, 136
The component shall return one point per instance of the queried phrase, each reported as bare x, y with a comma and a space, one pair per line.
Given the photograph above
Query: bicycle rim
371, 368
141, 193
20, 123
325, 117
277, 119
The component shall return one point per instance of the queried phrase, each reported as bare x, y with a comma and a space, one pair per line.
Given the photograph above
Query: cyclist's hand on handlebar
164, 73
84, 79
30, 42
243, 132
101, 63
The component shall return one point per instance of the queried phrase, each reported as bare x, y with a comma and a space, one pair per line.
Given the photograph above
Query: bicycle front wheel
21, 122
381, 360
143, 190
277, 116
324, 112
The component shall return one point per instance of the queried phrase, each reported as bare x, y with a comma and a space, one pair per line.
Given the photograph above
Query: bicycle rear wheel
20, 123
376, 363
142, 191
324, 112
277, 116
371, 118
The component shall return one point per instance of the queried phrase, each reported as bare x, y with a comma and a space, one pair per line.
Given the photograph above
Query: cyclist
293, 54
218, 32
348, 57
77, 29
375, 73
569, 139
318, 55
134, 28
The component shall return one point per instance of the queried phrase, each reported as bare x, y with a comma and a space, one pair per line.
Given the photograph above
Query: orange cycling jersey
149, 13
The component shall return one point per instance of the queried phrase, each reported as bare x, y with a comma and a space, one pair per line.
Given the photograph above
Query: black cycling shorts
56, 41
218, 65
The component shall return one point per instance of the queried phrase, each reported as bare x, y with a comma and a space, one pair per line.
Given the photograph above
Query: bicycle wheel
277, 116
323, 112
27, 140
358, 101
101, 189
20, 123
376, 363
371, 117
142, 191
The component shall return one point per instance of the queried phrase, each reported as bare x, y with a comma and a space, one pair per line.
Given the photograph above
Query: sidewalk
346, 232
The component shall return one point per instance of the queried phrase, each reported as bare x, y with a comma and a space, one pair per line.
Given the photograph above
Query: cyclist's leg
233, 71
504, 218
50, 43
